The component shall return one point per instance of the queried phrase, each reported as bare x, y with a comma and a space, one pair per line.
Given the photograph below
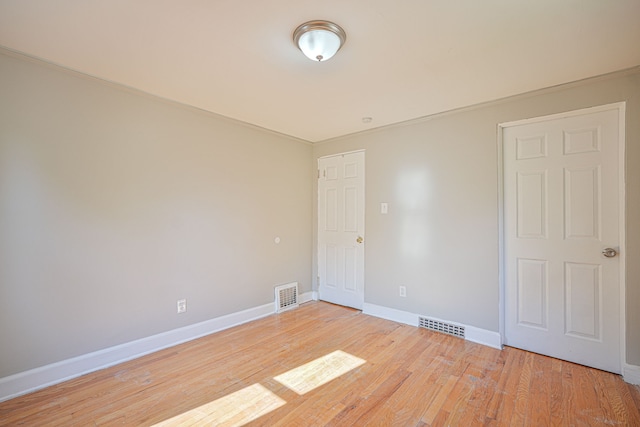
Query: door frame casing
621, 108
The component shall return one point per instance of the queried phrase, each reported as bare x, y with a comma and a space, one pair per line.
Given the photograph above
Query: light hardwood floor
387, 374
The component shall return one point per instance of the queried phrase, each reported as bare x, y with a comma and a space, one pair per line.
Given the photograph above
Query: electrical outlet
403, 291
182, 305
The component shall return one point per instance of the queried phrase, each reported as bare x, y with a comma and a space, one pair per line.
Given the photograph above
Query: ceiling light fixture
319, 40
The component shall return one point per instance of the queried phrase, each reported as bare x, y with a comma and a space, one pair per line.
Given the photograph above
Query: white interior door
341, 229
561, 210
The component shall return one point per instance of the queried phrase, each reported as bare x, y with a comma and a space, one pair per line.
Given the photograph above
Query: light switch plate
182, 305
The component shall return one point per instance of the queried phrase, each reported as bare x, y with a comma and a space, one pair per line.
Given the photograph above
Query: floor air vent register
438, 326
286, 297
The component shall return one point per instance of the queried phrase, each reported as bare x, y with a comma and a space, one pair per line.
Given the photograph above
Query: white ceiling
403, 59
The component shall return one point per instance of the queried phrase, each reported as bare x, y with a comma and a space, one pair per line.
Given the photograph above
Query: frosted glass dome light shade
319, 40
319, 45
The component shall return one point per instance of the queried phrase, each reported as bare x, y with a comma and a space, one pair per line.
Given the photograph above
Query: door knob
359, 239
609, 252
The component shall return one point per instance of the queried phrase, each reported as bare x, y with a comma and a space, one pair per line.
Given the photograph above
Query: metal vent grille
438, 326
286, 297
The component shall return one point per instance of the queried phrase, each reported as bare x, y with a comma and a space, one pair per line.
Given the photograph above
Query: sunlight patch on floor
250, 403
235, 409
318, 372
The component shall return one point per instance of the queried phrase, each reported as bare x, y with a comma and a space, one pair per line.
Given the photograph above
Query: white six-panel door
341, 229
561, 210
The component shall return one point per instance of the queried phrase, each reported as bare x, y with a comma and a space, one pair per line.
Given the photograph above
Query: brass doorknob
359, 239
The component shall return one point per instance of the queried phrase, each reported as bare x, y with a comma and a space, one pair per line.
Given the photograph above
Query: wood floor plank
360, 411
480, 379
408, 377
540, 392
458, 411
439, 400
555, 393
423, 386
504, 365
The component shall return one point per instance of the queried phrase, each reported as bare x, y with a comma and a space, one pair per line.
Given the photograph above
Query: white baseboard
390, 314
35, 379
483, 336
477, 335
631, 374
308, 296
38, 378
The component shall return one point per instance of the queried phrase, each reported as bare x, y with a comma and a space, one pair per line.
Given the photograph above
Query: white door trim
621, 107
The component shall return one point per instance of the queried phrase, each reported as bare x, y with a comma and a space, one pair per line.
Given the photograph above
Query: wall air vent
438, 326
286, 297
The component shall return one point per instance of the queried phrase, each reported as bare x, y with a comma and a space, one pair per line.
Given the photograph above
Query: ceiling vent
438, 326
286, 297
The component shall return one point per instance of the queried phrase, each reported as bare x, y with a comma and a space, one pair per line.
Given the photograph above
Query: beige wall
113, 205
440, 178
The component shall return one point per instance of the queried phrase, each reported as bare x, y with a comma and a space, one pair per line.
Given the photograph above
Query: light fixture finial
319, 40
